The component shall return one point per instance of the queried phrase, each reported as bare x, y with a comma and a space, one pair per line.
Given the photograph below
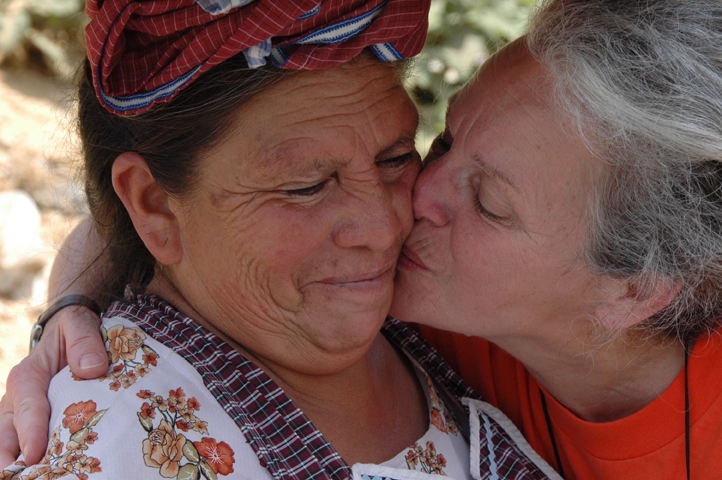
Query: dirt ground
37, 155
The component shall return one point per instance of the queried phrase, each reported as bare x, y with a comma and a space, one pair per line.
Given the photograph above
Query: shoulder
150, 416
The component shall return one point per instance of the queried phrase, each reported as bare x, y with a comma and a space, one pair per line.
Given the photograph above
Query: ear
147, 205
629, 305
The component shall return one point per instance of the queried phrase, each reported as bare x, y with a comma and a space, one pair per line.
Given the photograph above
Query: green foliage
42, 33
462, 34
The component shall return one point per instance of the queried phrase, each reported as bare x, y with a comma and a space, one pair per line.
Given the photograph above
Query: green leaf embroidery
147, 423
207, 471
147, 350
190, 452
96, 418
80, 435
188, 472
104, 334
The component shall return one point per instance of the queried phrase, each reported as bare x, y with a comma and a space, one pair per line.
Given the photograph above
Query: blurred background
41, 194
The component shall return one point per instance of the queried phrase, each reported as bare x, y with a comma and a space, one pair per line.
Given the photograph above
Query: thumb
79, 330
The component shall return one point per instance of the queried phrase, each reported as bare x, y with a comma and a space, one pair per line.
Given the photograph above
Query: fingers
9, 446
79, 330
25, 409
71, 334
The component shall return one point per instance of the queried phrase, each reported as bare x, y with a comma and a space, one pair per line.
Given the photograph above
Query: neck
600, 382
369, 411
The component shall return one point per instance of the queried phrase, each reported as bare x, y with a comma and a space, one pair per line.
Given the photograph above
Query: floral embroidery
218, 455
12, 470
166, 449
440, 418
79, 420
78, 414
427, 458
123, 344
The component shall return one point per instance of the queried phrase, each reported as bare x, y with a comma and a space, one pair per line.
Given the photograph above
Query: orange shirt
646, 445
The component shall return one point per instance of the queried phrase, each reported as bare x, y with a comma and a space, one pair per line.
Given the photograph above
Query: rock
23, 253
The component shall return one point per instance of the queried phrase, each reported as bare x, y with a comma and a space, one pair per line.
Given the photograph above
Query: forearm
80, 265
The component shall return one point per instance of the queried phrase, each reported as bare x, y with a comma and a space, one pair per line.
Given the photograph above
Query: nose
431, 192
372, 220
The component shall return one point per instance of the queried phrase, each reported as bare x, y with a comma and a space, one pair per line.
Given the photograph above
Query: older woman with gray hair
571, 214
569, 230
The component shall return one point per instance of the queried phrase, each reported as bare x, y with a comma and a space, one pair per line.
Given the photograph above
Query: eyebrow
407, 138
493, 172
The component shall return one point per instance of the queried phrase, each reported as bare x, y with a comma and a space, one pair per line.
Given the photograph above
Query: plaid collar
285, 441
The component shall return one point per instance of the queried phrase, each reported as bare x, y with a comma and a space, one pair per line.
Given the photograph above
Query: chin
348, 332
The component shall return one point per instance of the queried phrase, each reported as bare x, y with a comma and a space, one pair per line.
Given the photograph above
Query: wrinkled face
291, 244
499, 212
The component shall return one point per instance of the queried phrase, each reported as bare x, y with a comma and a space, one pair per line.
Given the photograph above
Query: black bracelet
66, 301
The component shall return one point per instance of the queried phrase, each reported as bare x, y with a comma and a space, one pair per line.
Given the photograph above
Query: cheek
284, 237
255, 252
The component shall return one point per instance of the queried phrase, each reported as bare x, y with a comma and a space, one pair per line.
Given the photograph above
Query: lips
359, 278
409, 258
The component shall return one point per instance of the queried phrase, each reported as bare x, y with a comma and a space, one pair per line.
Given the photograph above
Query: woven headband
145, 51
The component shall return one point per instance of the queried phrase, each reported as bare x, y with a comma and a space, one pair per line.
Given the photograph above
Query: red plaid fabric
286, 443
145, 51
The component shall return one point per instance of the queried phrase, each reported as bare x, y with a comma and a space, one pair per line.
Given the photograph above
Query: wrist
63, 302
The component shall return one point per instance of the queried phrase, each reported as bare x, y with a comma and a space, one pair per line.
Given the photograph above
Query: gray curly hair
641, 80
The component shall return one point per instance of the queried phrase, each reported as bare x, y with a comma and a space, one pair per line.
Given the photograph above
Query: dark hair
171, 137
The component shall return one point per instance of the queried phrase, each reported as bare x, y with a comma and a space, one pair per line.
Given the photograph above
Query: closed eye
483, 211
306, 192
397, 161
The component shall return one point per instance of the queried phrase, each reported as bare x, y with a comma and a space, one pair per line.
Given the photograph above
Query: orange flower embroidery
12, 470
123, 342
437, 421
183, 425
144, 394
146, 411
80, 418
427, 459
58, 448
164, 449
151, 359
85, 464
219, 456
77, 414
171, 451
193, 403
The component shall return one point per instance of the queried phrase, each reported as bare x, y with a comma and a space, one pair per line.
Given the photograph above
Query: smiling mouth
410, 259
367, 282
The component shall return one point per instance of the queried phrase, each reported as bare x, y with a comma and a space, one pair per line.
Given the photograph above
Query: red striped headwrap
145, 51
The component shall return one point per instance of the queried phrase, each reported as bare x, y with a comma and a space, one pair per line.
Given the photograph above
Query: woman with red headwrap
249, 169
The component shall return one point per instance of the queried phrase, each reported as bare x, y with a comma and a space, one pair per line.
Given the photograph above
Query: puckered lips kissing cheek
420, 276
419, 252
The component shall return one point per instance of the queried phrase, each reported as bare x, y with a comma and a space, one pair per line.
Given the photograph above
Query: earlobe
147, 205
633, 305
